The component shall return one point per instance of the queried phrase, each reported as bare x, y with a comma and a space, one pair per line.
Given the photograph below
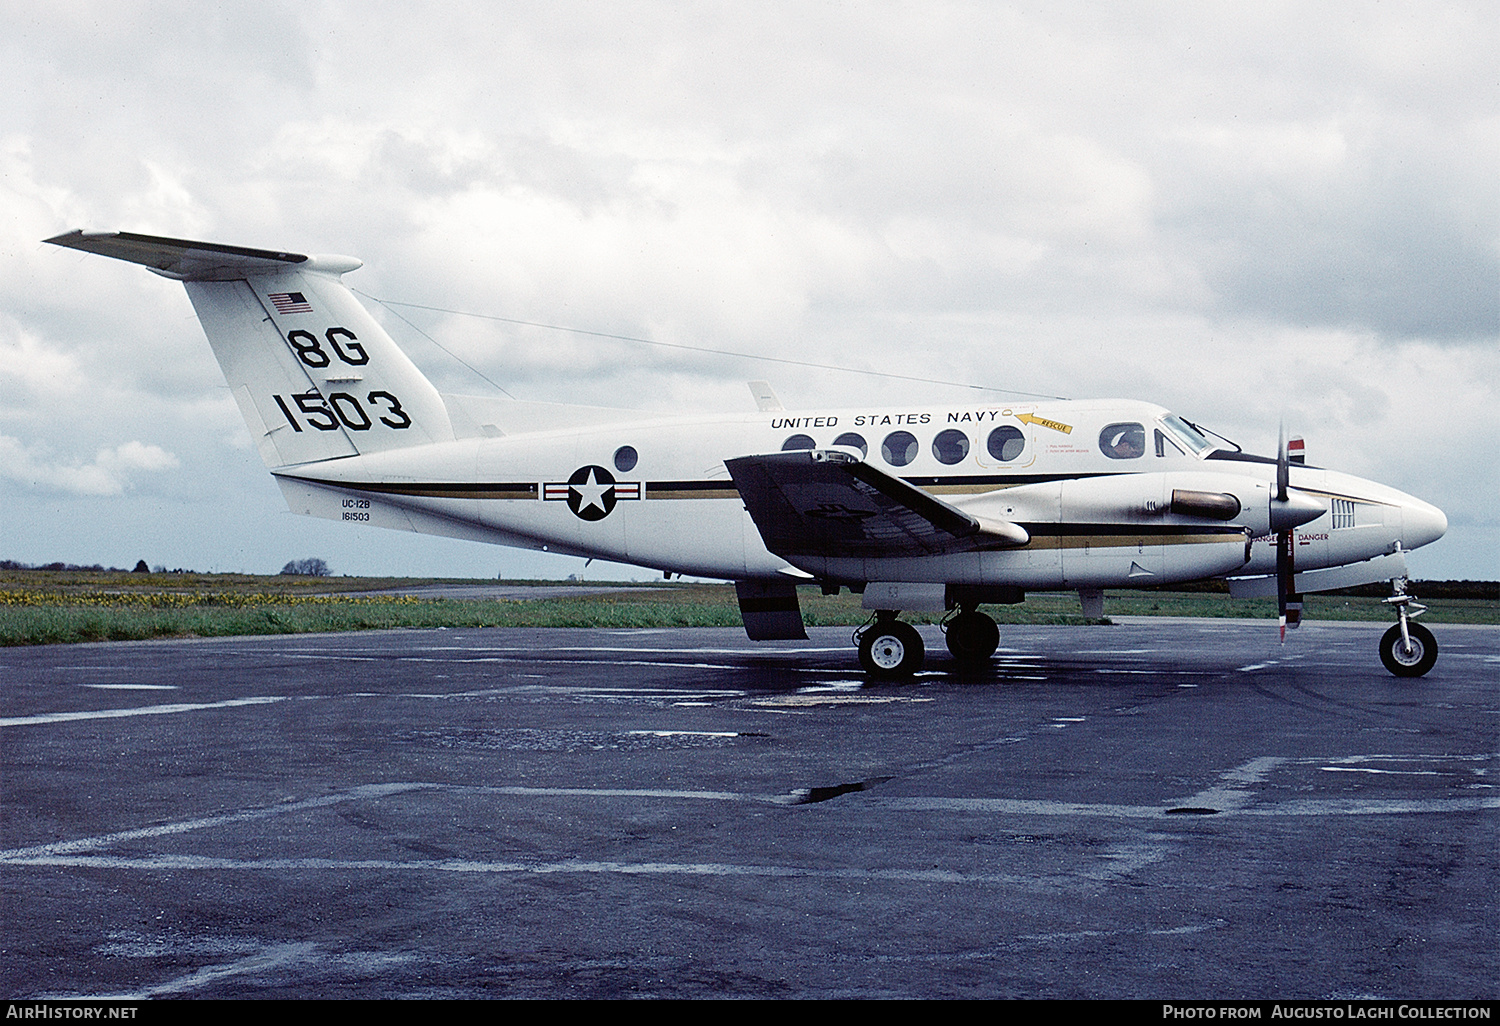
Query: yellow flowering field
65, 606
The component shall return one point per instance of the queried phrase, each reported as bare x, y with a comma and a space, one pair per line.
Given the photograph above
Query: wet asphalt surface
1156, 809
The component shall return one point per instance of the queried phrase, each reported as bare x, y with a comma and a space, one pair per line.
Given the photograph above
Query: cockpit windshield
1186, 433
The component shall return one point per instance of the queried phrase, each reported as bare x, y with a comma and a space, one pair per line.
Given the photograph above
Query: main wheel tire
891, 650
972, 637
1414, 663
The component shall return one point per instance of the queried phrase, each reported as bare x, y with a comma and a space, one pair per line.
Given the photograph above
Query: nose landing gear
1408, 649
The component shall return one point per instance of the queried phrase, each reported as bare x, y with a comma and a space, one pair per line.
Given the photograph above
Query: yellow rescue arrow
1031, 418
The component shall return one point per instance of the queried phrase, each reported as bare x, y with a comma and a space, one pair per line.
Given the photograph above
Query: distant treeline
140, 568
11, 564
1432, 590
1487, 590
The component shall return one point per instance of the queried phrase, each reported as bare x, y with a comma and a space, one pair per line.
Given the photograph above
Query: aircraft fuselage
655, 492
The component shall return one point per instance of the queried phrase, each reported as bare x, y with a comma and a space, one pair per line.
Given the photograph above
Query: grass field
49, 607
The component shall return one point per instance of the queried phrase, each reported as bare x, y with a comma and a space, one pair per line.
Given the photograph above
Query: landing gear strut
972, 636
1407, 649
888, 648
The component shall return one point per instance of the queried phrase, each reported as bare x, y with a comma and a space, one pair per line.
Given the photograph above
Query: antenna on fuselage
766, 400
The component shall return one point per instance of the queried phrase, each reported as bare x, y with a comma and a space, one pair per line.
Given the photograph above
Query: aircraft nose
1421, 523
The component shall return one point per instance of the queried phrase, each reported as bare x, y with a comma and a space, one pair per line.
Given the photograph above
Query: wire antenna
388, 303
419, 331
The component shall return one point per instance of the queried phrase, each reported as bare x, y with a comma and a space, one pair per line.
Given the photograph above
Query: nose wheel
1411, 658
1407, 649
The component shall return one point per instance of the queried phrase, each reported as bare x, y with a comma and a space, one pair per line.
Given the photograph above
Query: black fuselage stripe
438, 489
530, 489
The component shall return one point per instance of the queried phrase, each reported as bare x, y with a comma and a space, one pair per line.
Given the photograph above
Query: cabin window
899, 448
798, 442
853, 441
625, 458
1005, 443
950, 446
1123, 441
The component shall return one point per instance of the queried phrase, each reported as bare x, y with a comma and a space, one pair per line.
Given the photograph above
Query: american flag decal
290, 302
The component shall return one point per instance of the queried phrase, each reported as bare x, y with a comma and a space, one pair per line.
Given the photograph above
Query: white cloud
109, 474
1234, 209
31, 366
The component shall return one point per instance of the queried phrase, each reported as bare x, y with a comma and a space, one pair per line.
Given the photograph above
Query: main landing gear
972, 636
1407, 649
890, 649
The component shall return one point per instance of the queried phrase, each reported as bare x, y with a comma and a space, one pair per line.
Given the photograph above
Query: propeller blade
1283, 466
1288, 602
1283, 561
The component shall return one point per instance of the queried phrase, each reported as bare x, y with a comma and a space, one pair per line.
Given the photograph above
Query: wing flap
827, 503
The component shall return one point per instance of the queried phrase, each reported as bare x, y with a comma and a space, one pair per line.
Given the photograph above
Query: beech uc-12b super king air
927, 509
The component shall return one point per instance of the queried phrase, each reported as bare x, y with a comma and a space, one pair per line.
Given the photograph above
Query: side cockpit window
1123, 441
1186, 434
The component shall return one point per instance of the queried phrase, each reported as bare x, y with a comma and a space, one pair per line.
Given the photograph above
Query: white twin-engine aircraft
921, 508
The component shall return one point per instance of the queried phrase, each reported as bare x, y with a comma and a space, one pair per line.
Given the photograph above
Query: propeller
1288, 602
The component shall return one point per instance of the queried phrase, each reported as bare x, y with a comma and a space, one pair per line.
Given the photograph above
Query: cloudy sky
1243, 211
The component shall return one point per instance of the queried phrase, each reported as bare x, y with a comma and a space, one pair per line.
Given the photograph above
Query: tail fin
315, 376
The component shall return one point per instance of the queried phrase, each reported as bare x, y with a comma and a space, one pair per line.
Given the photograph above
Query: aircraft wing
828, 503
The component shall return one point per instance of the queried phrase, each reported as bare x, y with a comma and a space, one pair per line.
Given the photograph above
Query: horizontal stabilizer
196, 261
827, 503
